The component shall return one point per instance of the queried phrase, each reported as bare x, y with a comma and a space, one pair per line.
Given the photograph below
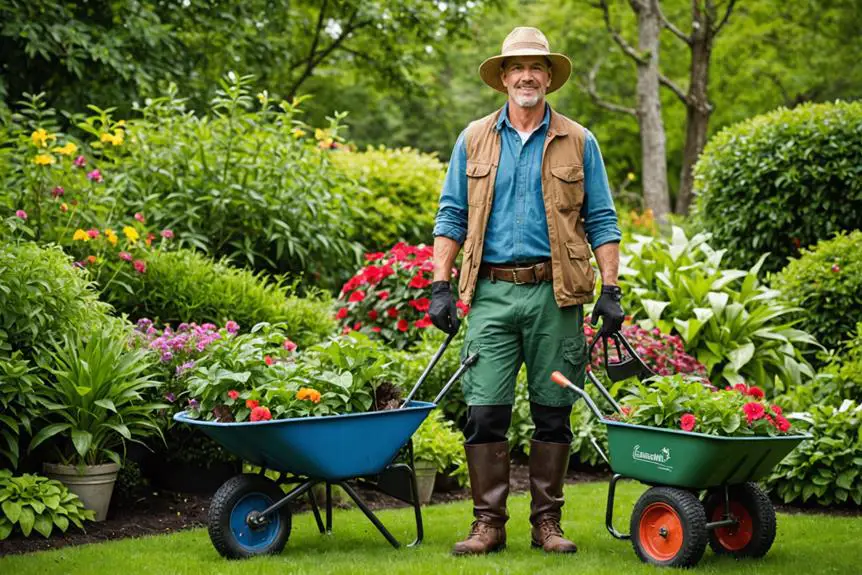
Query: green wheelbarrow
703, 488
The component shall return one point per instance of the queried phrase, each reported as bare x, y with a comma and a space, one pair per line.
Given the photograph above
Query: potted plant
95, 402
436, 448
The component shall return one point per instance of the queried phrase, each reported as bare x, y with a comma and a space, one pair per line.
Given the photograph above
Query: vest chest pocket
568, 184
477, 182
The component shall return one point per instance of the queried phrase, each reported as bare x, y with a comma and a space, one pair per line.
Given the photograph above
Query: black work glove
609, 309
443, 311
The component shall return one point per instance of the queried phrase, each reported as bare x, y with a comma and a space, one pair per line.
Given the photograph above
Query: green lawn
806, 544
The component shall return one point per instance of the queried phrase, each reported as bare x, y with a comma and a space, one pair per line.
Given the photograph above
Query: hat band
526, 46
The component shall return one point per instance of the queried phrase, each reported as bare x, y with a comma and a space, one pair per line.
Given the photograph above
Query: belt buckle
515, 277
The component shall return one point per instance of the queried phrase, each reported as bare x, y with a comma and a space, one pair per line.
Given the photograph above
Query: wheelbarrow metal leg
368, 513
328, 508
295, 493
609, 513
417, 508
313, 501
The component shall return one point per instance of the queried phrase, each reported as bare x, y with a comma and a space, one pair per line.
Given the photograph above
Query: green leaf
845, 479
82, 440
107, 404
654, 308
43, 525
12, 510
26, 520
741, 355
61, 521
5, 528
46, 433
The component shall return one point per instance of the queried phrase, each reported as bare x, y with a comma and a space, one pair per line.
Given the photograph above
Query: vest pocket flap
478, 169
578, 251
568, 173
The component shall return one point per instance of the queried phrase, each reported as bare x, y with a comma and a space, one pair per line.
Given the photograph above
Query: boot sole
496, 549
535, 545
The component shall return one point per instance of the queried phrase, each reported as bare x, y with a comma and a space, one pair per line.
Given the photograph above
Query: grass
805, 544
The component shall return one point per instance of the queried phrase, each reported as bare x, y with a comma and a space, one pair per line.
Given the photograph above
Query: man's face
527, 79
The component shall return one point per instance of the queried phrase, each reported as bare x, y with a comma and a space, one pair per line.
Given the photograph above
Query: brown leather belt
517, 273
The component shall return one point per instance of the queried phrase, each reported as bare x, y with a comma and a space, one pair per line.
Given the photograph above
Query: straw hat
526, 41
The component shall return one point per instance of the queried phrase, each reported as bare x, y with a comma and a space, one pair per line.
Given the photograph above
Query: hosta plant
826, 469
439, 442
389, 299
734, 325
34, 503
686, 403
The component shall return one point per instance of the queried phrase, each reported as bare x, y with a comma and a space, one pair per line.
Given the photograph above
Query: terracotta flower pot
93, 484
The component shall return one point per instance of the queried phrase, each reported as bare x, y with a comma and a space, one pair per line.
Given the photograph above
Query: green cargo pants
511, 324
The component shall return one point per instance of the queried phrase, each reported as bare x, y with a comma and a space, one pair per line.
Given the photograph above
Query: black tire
756, 532
236, 496
668, 527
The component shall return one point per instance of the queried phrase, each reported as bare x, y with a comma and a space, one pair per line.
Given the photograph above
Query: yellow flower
44, 160
112, 237
40, 138
119, 137
131, 234
120, 124
298, 132
262, 97
319, 134
81, 235
67, 150
630, 176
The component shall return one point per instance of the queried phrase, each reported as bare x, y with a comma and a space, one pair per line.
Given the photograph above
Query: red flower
465, 309
358, 295
288, 345
342, 313
392, 312
783, 424
419, 282
260, 413
386, 271
421, 304
267, 360
251, 403
753, 411
372, 315
403, 325
383, 294
835, 268
345, 330
140, 266
741, 388
353, 283
126, 256
376, 329
427, 266
233, 394
374, 256
424, 322
356, 326
777, 410
626, 410
687, 422
755, 392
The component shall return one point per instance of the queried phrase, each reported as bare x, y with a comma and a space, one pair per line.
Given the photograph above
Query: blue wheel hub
258, 537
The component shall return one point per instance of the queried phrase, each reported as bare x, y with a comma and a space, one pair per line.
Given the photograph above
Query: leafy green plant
826, 469
94, 400
825, 284
438, 442
399, 193
586, 429
684, 402
732, 323
18, 380
789, 178
35, 503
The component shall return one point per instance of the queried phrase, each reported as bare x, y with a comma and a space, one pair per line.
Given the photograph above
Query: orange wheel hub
660, 531
736, 537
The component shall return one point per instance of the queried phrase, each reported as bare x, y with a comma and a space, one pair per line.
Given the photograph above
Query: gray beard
527, 102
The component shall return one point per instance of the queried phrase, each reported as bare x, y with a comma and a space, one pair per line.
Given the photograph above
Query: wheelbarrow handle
563, 381
457, 375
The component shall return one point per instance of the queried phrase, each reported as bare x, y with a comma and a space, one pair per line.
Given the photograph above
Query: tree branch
676, 31
668, 83
725, 18
621, 42
590, 89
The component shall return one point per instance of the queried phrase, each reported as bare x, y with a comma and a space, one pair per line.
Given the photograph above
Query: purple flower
170, 397
80, 162
21, 214
167, 356
58, 191
144, 323
95, 176
193, 403
209, 327
183, 327
181, 369
167, 234
231, 327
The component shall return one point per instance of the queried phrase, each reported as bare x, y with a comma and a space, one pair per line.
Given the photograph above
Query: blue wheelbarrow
250, 513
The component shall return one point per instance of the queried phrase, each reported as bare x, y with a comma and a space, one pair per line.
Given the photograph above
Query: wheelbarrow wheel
668, 527
756, 530
238, 499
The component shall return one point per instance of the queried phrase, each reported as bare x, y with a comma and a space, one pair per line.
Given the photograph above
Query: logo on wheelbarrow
658, 459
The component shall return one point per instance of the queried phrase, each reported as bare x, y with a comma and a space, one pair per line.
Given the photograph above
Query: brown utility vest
563, 193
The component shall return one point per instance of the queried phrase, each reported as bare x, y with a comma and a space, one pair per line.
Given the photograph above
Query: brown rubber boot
548, 463
488, 464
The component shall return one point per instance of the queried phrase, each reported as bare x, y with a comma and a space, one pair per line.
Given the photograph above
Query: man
525, 191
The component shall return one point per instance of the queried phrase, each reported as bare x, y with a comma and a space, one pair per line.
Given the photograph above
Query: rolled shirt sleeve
451, 220
600, 217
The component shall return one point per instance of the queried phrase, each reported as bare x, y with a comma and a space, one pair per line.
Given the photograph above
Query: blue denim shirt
517, 227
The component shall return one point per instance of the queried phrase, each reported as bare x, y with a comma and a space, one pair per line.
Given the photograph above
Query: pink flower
58, 191
233, 394
126, 256
93, 233
167, 234
140, 217
358, 295
777, 410
288, 345
21, 214
140, 266
741, 388
268, 360
95, 176
260, 413
753, 411
687, 422
231, 327
783, 424
80, 162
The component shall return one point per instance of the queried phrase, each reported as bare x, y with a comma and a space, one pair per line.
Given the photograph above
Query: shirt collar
503, 118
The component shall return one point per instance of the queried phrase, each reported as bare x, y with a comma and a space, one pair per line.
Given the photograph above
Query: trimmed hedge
826, 284
782, 180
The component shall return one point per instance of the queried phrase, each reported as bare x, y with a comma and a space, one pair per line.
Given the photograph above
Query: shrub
436, 441
782, 180
35, 503
825, 283
842, 376
18, 380
185, 286
729, 321
389, 299
826, 469
401, 188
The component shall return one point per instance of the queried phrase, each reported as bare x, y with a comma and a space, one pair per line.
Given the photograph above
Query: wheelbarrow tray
330, 448
659, 456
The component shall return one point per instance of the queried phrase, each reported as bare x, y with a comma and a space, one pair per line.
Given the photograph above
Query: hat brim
561, 69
